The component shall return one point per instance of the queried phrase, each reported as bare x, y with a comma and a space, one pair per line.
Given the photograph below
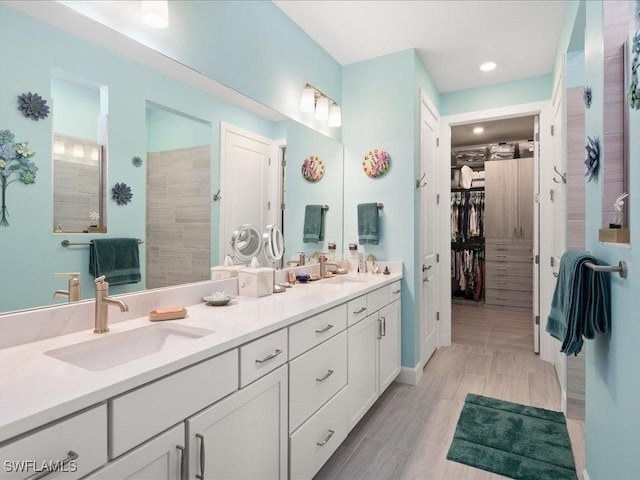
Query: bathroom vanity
261, 388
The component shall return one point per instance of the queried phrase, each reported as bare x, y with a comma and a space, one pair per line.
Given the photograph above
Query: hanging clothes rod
67, 243
622, 268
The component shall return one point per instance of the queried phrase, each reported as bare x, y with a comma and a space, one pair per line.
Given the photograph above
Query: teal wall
575, 70
612, 422
170, 131
75, 109
35, 252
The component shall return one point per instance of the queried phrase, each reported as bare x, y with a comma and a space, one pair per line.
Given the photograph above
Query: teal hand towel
368, 224
118, 259
581, 304
313, 230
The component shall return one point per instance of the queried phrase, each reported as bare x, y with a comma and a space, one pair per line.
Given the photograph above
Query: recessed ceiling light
478, 130
488, 66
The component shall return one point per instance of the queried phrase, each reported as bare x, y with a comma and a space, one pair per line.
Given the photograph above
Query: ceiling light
308, 99
478, 130
155, 13
488, 66
322, 108
335, 116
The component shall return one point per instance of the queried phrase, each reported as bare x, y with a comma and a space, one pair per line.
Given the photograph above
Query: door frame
545, 114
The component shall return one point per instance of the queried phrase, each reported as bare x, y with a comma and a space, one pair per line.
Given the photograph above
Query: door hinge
551, 261
537, 259
284, 162
537, 319
438, 316
537, 136
269, 161
437, 258
282, 206
551, 194
437, 199
553, 130
437, 141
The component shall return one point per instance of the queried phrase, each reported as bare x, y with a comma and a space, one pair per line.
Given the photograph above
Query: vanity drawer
357, 310
315, 377
395, 292
508, 298
147, 411
378, 299
82, 439
262, 356
315, 330
315, 441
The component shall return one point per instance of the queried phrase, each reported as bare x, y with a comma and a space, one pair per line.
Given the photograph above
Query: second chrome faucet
103, 300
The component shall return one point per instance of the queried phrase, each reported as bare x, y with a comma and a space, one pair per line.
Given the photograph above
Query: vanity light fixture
478, 130
155, 13
325, 108
78, 151
58, 147
487, 66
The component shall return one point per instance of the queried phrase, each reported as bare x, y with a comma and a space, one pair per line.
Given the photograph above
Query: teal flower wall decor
136, 161
33, 106
592, 162
634, 87
121, 193
15, 161
586, 96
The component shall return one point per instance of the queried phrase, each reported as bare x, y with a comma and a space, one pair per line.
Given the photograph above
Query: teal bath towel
581, 304
117, 259
368, 224
313, 231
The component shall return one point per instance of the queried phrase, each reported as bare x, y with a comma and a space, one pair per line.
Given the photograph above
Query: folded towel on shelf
581, 304
313, 230
368, 224
118, 259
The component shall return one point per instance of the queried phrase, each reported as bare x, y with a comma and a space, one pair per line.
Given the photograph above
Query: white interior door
428, 206
244, 183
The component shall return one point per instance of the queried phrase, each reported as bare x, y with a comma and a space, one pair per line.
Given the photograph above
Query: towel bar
380, 206
622, 268
66, 243
325, 207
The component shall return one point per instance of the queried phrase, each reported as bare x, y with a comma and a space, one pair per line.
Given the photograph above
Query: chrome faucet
73, 292
323, 265
103, 301
300, 262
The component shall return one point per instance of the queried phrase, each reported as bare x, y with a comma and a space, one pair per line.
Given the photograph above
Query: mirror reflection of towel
118, 259
368, 223
313, 231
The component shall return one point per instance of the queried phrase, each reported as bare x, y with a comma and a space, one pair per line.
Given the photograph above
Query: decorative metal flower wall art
15, 161
33, 106
586, 96
592, 162
136, 161
634, 86
121, 193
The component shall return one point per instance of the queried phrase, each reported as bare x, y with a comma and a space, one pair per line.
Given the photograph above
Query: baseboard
410, 376
585, 474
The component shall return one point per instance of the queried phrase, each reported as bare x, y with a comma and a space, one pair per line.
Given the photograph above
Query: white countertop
36, 389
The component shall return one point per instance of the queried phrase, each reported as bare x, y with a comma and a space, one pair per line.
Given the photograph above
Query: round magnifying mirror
245, 243
273, 251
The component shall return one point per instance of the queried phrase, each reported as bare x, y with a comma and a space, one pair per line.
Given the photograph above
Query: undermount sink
116, 349
343, 279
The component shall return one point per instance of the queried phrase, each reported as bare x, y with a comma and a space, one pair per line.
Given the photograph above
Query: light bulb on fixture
78, 151
322, 109
488, 66
478, 130
94, 154
58, 147
308, 99
335, 116
155, 13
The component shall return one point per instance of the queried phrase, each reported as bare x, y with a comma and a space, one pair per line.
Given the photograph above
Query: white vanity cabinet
162, 458
243, 436
73, 447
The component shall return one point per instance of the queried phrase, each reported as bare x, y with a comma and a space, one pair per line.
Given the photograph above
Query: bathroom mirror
37, 252
246, 243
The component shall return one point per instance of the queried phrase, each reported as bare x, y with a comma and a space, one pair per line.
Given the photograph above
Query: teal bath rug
513, 440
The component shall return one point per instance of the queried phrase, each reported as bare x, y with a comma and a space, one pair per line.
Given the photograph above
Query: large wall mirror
144, 106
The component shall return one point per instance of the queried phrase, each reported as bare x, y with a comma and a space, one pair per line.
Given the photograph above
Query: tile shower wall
178, 216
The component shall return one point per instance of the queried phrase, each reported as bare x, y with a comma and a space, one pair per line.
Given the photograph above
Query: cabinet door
243, 436
159, 459
501, 190
363, 368
525, 199
389, 344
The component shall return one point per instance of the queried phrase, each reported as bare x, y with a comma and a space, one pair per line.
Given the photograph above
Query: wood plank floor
408, 431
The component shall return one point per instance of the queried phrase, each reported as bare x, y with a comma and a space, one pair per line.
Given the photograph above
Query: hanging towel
313, 231
368, 224
117, 259
581, 303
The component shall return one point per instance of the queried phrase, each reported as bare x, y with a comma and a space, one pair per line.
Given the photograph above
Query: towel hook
563, 176
419, 182
217, 196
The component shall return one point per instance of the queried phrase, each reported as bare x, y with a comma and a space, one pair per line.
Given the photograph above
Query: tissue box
255, 282
220, 272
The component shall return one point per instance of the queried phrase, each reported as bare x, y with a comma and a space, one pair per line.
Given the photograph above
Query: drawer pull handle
270, 357
202, 462
323, 442
183, 465
325, 329
395, 292
325, 376
384, 326
501, 283
360, 311
71, 456
379, 329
